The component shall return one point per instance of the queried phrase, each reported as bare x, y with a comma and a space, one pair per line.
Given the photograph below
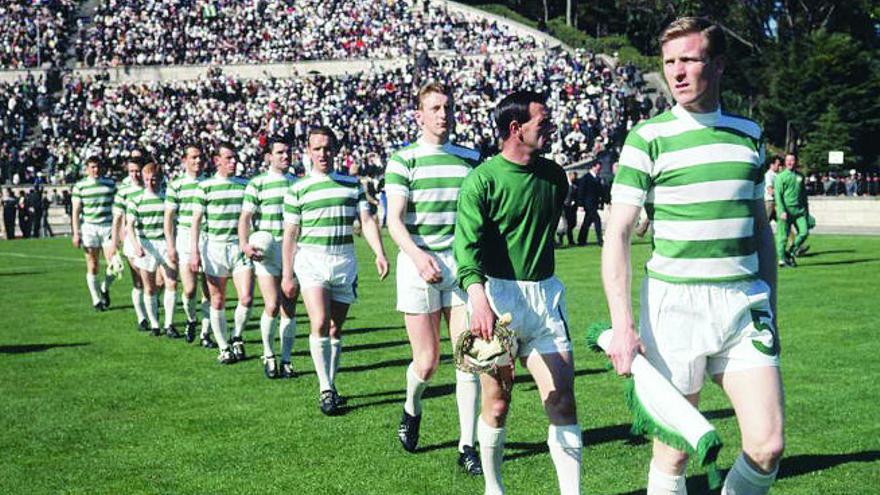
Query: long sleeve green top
790, 194
507, 215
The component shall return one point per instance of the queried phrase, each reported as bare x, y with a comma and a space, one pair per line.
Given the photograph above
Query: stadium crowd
34, 34
373, 111
165, 32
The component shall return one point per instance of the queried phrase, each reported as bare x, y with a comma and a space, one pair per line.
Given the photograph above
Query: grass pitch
92, 406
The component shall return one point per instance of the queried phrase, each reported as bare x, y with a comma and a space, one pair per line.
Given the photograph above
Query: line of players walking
476, 243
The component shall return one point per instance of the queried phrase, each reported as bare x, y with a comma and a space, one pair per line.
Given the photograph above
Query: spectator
166, 32
10, 205
24, 219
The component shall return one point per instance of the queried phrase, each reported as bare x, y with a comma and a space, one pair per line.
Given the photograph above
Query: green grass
91, 406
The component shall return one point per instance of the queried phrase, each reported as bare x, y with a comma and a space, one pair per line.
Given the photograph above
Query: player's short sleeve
397, 177
119, 203
759, 177
633, 179
251, 197
131, 212
77, 192
199, 199
172, 198
292, 207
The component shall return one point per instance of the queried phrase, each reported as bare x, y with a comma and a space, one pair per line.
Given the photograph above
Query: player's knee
425, 365
560, 405
766, 455
670, 460
246, 300
496, 410
270, 308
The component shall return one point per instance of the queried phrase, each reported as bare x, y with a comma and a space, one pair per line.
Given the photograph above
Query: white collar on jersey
707, 119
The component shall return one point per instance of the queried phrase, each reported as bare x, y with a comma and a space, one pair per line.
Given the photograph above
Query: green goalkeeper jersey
790, 193
507, 215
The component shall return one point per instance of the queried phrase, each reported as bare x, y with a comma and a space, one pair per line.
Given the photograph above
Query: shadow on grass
596, 436
28, 348
356, 331
790, 467
390, 363
842, 262
811, 254
20, 274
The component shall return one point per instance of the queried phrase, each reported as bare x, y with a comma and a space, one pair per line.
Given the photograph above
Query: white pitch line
39, 257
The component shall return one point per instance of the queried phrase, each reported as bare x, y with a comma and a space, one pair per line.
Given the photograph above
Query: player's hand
251, 253
429, 268
139, 251
289, 287
172, 255
194, 262
111, 251
625, 344
76, 240
783, 216
382, 266
482, 318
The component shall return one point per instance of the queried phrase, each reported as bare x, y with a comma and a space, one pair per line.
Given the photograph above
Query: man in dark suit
569, 207
591, 195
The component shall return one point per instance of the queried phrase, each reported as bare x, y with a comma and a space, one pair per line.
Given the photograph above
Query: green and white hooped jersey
219, 199
146, 211
430, 176
265, 197
698, 176
123, 193
179, 198
96, 197
325, 206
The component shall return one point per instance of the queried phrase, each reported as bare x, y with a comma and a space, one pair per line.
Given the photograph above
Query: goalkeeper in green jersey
508, 211
792, 210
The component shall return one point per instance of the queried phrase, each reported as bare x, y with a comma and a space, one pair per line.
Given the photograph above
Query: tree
808, 77
829, 134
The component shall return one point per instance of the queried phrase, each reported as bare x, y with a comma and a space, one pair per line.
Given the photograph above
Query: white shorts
415, 296
128, 249
335, 272
224, 259
694, 330
155, 254
182, 243
271, 263
540, 320
95, 236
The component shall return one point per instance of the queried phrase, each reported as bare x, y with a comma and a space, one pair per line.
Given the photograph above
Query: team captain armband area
698, 177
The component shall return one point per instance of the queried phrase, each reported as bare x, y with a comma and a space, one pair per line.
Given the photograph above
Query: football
262, 241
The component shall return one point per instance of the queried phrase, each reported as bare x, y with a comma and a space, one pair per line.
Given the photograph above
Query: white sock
206, 317
218, 324
92, 284
137, 300
151, 301
189, 308
242, 315
415, 387
320, 349
467, 395
168, 301
267, 332
743, 479
288, 334
660, 483
335, 354
566, 446
491, 455
108, 280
